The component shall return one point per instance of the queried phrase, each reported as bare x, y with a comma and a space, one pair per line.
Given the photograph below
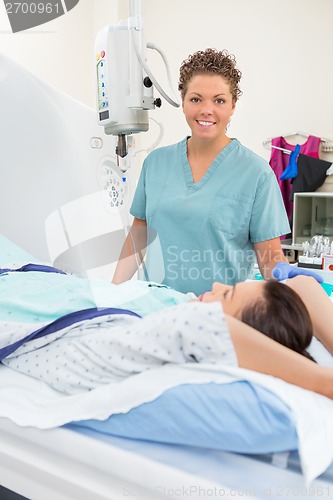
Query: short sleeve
269, 218
138, 207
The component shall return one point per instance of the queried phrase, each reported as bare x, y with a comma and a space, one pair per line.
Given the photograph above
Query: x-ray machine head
125, 84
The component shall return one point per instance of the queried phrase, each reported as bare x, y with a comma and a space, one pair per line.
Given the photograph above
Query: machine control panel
102, 86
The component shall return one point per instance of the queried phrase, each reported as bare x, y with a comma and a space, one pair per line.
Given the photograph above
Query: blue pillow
239, 417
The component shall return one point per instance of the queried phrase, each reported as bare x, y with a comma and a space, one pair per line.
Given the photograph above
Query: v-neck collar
187, 168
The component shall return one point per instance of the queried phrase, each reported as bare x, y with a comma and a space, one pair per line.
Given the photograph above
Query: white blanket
29, 402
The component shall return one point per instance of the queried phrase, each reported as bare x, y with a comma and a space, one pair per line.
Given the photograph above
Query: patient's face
234, 298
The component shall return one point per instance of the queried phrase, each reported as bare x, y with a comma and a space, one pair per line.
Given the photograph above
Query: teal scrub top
203, 232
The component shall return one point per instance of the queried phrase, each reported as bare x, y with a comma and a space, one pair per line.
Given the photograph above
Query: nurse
206, 208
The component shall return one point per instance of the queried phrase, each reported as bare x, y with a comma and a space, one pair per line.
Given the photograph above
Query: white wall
61, 52
283, 48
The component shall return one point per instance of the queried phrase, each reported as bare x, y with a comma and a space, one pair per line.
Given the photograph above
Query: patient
210, 330
270, 307
288, 314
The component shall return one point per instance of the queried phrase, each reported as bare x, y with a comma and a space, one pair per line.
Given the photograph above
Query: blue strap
291, 170
32, 267
63, 322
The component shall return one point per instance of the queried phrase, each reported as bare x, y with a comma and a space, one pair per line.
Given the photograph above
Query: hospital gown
99, 352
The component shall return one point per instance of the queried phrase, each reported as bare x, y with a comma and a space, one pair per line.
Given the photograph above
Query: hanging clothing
311, 174
280, 160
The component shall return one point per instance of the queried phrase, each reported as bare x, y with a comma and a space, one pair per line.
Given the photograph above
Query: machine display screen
104, 115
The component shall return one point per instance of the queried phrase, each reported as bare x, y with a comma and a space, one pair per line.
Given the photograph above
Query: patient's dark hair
281, 315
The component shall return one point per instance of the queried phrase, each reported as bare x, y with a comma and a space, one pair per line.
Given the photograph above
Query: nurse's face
234, 298
208, 106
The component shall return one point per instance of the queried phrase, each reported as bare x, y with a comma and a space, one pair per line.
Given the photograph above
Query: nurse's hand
283, 271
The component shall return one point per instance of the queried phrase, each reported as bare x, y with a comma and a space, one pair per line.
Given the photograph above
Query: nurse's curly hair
281, 315
211, 61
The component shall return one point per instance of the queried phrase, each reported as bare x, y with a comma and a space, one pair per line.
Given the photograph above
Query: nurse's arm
268, 254
255, 351
132, 253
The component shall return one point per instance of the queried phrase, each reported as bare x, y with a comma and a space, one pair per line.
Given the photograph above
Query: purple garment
280, 160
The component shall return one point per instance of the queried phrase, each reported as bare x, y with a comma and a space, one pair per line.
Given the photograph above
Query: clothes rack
268, 142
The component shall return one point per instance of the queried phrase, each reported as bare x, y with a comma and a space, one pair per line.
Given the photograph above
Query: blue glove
283, 271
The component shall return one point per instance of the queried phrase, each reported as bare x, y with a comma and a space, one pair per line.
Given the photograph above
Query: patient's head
270, 307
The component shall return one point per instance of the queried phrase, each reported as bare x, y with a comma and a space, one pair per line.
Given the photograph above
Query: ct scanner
63, 197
